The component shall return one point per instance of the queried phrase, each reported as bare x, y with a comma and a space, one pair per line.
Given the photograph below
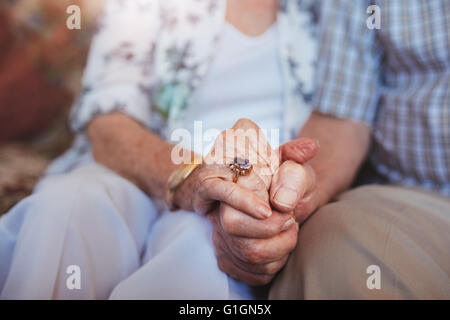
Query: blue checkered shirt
396, 79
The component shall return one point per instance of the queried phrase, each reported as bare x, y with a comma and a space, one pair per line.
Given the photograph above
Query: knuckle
243, 122
245, 125
253, 255
204, 178
231, 193
229, 222
202, 183
258, 183
273, 228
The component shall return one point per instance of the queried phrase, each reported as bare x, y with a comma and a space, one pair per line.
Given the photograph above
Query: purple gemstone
243, 164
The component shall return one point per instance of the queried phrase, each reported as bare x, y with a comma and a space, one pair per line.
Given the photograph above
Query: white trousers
94, 219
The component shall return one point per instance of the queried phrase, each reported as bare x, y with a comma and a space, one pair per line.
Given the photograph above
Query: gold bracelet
177, 178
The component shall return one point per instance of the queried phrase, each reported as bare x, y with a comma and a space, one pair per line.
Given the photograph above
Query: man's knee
368, 228
318, 255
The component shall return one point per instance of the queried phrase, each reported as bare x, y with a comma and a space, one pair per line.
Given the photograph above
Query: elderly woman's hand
211, 182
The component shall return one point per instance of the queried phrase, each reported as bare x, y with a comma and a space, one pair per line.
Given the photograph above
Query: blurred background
41, 65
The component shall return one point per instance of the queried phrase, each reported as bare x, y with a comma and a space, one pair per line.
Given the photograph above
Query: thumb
300, 150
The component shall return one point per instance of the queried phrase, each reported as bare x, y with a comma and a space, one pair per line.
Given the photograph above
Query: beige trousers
374, 242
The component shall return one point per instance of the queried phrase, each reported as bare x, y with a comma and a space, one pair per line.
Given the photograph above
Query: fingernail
264, 211
287, 224
286, 197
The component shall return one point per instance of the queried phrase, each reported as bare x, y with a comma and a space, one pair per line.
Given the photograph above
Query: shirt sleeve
118, 76
347, 81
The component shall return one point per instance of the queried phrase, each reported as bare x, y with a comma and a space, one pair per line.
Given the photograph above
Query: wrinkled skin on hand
254, 248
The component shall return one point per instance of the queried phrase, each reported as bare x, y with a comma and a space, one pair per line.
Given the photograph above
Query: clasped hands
255, 221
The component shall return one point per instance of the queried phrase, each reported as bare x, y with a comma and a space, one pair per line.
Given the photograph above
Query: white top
244, 81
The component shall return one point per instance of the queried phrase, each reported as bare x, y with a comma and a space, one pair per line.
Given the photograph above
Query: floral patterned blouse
148, 57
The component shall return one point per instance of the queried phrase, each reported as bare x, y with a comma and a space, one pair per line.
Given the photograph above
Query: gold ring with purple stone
240, 167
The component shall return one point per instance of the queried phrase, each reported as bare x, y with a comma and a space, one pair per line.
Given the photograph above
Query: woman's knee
82, 192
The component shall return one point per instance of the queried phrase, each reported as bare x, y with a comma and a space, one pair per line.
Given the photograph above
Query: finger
236, 196
242, 142
237, 223
290, 182
250, 137
256, 184
226, 150
226, 264
299, 150
261, 251
270, 268
306, 206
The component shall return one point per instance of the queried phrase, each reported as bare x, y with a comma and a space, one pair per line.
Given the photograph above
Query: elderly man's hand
294, 184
